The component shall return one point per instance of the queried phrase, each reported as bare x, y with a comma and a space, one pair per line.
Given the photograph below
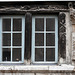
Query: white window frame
33, 38
23, 38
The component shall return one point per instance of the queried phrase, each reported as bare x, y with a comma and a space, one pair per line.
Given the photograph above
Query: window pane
50, 39
17, 39
39, 24
39, 39
39, 54
6, 24
17, 24
50, 24
50, 54
6, 39
6, 54
18, 52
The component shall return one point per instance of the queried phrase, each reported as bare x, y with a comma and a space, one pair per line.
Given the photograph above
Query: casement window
12, 29
45, 39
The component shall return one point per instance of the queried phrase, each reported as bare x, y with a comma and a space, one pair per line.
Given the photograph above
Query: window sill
36, 68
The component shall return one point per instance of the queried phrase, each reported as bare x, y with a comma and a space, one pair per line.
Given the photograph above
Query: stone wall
72, 20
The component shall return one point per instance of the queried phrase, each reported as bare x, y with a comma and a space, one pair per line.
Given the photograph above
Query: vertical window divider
33, 38
11, 36
23, 35
22, 43
1, 40
34, 41
56, 39
44, 39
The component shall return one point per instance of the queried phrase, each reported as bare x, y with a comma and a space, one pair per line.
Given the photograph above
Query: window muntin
12, 38
44, 39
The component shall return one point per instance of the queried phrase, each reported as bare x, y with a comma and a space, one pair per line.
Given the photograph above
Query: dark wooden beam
28, 31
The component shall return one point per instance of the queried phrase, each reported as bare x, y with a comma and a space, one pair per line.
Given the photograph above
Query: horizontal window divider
6, 32
6, 47
44, 46
12, 47
39, 46
16, 32
16, 46
50, 46
12, 32
50, 31
44, 31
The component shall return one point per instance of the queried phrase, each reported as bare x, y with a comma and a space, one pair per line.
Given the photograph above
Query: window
44, 39
12, 39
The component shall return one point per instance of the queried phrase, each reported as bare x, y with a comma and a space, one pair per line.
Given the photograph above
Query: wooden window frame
33, 38
23, 38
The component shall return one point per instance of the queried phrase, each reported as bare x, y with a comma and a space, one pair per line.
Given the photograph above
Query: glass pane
6, 24
39, 39
17, 39
39, 54
50, 54
6, 39
18, 56
17, 24
6, 54
50, 39
39, 24
50, 24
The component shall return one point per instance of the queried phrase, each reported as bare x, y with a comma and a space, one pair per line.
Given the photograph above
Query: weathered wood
28, 26
22, 8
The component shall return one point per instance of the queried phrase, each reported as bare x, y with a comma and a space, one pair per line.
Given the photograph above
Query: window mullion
11, 36
1, 40
22, 48
56, 40
44, 39
34, 41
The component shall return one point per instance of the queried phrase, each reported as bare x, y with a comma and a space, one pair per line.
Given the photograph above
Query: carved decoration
62, 35
72, 15
72, 10
70, 5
